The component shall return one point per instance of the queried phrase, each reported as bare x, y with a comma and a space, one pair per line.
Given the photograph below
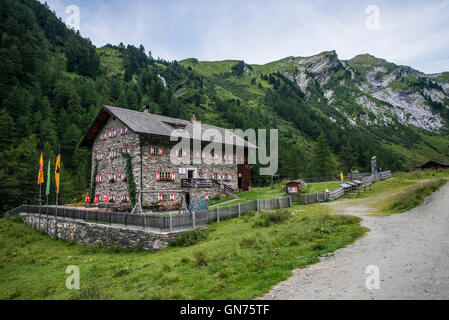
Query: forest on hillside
53, 82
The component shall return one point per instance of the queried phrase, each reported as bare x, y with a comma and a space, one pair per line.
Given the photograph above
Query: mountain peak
369, 59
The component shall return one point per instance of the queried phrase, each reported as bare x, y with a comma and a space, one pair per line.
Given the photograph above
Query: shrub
322, 229
189, 238
271, 218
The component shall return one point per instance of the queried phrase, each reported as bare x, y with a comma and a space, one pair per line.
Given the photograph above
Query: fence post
239, 209
289, 197
193, 220
279, 201
126, 220
258, 205
218, 214
171, 223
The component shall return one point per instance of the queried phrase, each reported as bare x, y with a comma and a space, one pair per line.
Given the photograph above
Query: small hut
295, 186
433, 164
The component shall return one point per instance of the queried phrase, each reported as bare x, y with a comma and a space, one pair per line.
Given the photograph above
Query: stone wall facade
147, 163
98, 234
115, 165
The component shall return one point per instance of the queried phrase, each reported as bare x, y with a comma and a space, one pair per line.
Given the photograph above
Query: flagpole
40, 204
57, 195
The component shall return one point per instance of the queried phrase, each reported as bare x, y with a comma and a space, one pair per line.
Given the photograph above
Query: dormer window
177, 126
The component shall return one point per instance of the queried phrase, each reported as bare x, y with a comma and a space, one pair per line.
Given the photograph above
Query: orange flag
57, 172
40, 176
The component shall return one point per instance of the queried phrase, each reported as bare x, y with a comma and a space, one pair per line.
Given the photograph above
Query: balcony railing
196, 183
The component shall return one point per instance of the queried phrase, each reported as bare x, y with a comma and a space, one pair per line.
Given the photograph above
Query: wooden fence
188, 220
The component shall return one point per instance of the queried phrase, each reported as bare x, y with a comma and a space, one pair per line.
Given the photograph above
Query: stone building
146, 137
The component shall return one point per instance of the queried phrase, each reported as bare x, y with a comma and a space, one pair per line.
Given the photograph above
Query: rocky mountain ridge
384, 92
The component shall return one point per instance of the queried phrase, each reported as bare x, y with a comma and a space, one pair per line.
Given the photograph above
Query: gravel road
411, 251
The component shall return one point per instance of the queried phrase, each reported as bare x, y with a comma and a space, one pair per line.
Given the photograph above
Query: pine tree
323, 163
7, 128
348, 157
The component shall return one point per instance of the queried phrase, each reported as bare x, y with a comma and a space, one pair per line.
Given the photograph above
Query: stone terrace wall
98, 234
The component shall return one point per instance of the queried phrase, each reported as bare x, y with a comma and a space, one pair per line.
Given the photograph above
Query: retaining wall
99, 234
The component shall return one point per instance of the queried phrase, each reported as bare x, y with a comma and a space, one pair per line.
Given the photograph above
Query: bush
271, 218
189, 238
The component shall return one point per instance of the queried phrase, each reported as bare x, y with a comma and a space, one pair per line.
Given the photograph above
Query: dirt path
411, 251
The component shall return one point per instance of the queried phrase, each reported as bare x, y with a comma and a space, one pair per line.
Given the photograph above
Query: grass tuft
189, 238
267, 219
200, 258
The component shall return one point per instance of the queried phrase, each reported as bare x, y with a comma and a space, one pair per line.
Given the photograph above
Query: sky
413, 33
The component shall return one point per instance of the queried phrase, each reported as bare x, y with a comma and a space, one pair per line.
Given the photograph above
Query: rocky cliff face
382, 93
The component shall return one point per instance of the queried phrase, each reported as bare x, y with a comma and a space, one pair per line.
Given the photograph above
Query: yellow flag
341, 175
40, 176
57, 171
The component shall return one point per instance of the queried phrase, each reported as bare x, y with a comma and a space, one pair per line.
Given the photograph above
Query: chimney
193, 119
147, 109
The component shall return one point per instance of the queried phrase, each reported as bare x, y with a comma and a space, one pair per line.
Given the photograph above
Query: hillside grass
403, 192
402, 181
411, 197
237, 259
209, 68
111, 60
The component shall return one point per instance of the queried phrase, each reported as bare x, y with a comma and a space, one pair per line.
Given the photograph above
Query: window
123, 131
178, 126
165, 176
156, 150
126, 150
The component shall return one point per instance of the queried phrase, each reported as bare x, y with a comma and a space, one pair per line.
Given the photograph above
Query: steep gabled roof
441, 163
146, 123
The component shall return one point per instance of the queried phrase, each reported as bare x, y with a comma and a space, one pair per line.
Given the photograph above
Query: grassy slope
406, 191
236, 261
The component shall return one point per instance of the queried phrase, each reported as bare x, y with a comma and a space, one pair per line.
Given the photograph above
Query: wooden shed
433, 164
295, 186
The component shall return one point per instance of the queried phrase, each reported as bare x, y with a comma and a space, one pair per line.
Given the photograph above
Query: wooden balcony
196, 183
